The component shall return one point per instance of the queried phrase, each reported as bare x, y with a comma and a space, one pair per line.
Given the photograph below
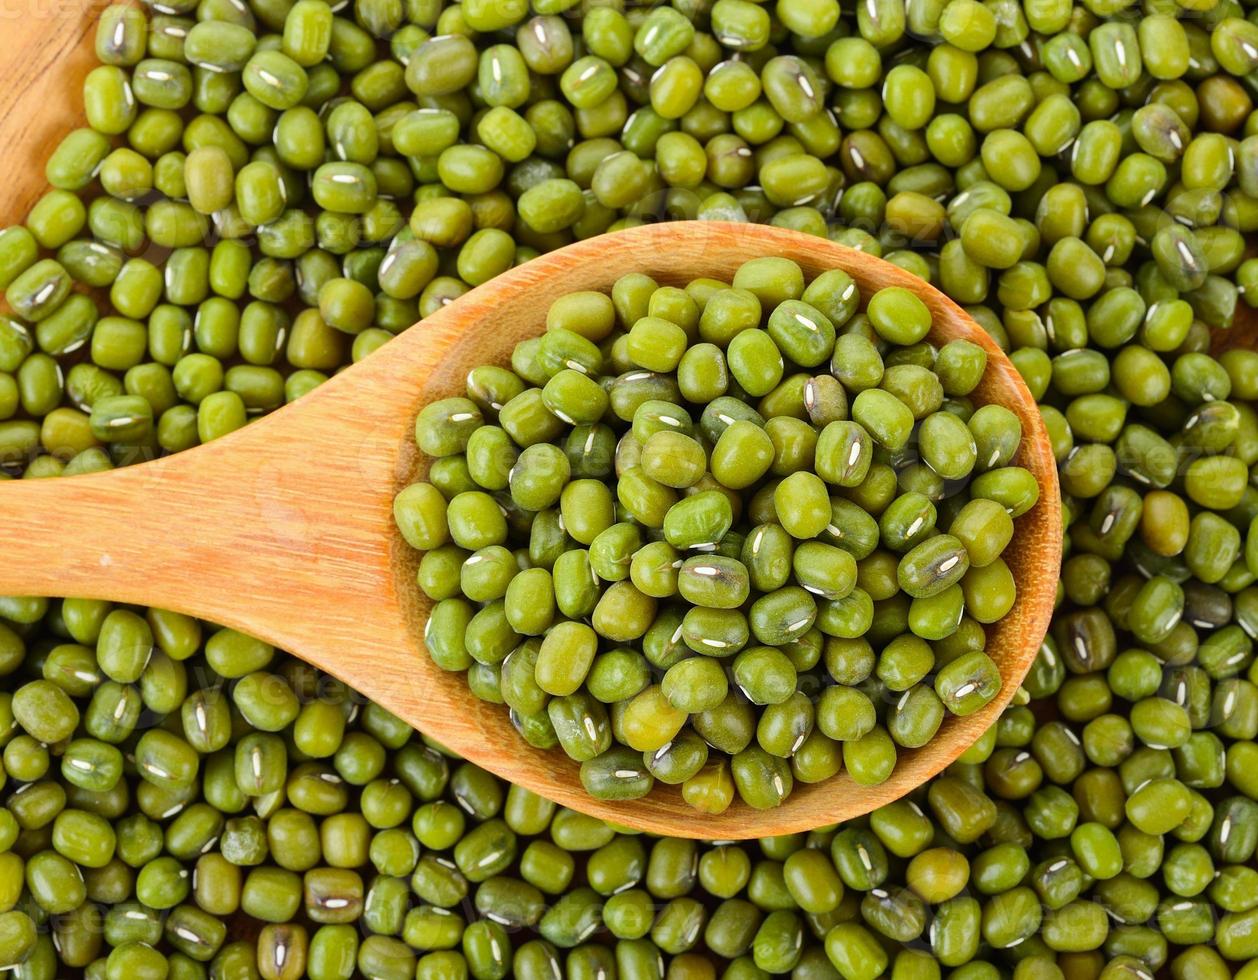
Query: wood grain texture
46, 50
284, 529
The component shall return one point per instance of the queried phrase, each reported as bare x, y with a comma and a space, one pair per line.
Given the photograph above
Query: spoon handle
92, 537
282, 529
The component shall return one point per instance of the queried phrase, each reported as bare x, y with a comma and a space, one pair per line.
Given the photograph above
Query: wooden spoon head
483, 327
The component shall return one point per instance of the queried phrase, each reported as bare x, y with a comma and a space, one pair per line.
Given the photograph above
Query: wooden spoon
284, 529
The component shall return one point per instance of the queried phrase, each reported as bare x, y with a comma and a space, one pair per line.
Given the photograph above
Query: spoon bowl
284, 529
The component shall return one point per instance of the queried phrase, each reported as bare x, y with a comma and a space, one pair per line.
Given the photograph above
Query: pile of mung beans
184, 802
691, 535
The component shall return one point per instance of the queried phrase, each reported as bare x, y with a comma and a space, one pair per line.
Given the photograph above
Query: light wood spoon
284, 529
